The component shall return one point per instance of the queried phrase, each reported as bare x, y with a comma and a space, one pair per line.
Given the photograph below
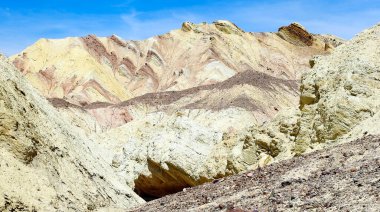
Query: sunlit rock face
342, 93
46, 164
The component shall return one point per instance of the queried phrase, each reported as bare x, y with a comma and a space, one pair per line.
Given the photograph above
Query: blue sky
23, 22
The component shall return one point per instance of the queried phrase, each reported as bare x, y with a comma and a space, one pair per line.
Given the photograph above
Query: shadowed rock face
93, 69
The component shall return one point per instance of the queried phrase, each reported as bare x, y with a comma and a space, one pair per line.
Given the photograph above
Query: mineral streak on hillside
259, 94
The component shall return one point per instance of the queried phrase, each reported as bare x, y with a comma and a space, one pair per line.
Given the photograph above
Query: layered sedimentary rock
297, 35
194, 139
93, 69
46, 164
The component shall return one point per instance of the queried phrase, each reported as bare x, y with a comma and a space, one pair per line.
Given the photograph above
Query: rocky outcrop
46, 164
187, 26
296, 34
161, 154
228, 27
339, 102
341, 91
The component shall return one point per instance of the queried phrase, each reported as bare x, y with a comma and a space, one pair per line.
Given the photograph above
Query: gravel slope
344, 178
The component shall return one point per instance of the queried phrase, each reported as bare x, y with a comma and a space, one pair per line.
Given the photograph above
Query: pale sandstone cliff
46, 164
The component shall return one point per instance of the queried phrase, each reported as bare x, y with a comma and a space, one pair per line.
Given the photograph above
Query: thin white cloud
317, 17
344, 19
138, 27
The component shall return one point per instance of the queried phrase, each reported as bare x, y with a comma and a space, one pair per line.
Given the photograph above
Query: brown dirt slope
253, 91
343, 178
252, 78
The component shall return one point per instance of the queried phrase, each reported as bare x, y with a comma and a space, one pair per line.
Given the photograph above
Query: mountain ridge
149, 59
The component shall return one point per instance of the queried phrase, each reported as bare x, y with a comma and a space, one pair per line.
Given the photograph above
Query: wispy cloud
123, 4
140, 25
134, 20
340, 19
